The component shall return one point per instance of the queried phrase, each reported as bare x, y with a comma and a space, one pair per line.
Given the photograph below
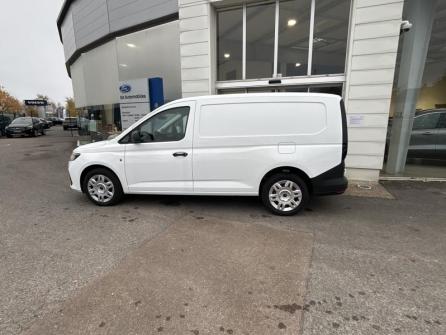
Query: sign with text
130, 113
136, 90
134, 101
39, 102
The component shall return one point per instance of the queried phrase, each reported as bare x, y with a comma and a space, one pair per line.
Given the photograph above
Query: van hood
91, 146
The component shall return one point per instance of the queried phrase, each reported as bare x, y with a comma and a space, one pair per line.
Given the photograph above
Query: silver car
428, 139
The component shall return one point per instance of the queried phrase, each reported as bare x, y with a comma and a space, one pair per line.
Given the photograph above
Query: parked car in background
282, 147
25, 126
4, 122
50, 121
70, 123
428, 136
46, 124
56, 120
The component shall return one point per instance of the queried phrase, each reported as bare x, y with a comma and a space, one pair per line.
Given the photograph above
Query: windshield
22, 122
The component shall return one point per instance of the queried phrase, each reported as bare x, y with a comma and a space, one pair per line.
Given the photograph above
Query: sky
31, 53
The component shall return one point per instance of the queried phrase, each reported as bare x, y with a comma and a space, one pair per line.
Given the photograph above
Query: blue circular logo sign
125, 88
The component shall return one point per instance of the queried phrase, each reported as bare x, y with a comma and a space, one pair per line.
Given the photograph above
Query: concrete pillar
413, 58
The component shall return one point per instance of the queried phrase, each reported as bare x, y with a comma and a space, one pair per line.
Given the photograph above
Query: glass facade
331, 89
416, 139
294, 30
99, 122
230, 50
153, 52
330, 36
255, 40
260, 23
278, 40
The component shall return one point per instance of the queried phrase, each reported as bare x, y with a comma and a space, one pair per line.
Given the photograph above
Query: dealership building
386, 58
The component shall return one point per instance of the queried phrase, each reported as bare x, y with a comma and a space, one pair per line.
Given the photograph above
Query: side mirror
136, 136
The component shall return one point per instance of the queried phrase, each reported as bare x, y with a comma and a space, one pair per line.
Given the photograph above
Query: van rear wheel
284, 194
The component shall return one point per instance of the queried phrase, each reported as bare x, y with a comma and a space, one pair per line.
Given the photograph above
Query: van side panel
241, 120
237, 141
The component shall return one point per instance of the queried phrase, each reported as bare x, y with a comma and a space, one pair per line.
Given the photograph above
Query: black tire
8, 136
117, 188
43, 132
288, 210
65, 128
35, 133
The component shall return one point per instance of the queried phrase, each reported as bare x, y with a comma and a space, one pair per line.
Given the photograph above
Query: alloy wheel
101, 188
285, 195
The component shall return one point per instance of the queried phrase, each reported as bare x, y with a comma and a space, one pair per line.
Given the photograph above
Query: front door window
167, 126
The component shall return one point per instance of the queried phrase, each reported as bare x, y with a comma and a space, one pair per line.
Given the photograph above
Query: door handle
180, 154
427, 133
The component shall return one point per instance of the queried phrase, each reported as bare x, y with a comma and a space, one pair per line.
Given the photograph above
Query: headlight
74, 156
29, 127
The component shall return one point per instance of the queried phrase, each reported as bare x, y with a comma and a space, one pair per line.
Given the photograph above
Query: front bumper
331, 182
19, 132
75, 177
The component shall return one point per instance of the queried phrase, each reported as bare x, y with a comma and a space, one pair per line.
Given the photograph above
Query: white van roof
257, 95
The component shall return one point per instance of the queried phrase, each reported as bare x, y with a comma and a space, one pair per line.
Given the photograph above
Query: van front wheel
284, 194
102, 187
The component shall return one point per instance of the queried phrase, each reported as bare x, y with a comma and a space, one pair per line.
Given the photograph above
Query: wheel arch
291, 170
93, 167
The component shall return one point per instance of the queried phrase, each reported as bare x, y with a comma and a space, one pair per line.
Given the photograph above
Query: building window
138, 58
260, 27
294, 30
329, 88
330, 36
230, 44
283, 38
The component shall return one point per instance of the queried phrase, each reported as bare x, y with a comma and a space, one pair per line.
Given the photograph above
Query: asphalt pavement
212, 265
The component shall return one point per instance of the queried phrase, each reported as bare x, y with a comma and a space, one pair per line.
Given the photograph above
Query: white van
283, 147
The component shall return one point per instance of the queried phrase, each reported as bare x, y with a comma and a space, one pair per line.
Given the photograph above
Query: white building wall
197, 76
374, 36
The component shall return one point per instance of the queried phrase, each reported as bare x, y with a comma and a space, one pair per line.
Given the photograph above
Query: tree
31, 111
43, 97
51, 109
9, 104
70, 107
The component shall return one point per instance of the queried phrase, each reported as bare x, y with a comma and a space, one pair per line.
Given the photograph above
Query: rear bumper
331, 182
331, 186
